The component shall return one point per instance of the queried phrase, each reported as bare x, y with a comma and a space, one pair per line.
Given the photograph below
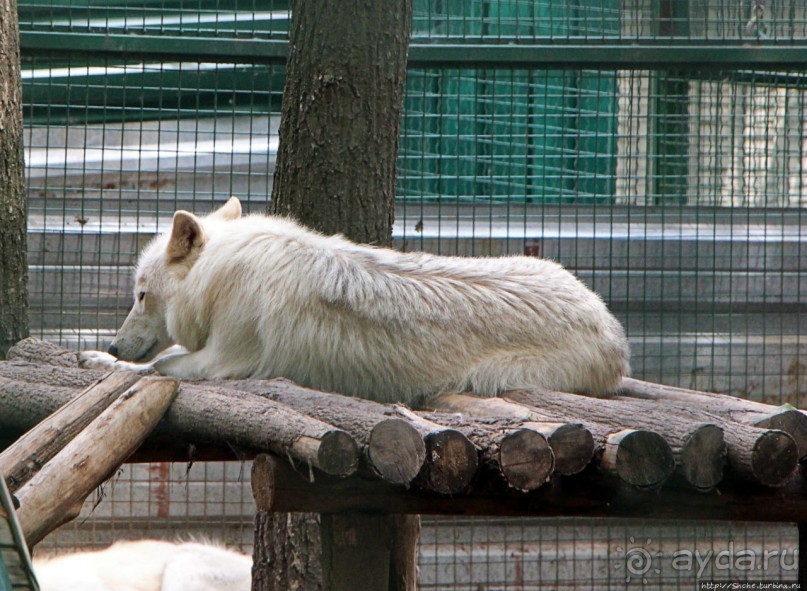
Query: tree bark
13, 246
293, 564
341, 115
35, 350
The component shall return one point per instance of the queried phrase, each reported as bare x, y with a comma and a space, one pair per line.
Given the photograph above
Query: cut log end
702, 459
638, 457
451, 462
338, 454
573, 446
526, 459
774, 458
794, 423
396, 451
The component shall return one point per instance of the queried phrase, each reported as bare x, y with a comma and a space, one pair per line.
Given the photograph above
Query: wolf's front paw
97, 360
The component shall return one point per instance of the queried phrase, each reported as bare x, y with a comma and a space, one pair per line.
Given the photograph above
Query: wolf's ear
187, 236
229, 211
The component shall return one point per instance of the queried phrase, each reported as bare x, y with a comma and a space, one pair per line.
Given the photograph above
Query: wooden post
348, 551
356, 551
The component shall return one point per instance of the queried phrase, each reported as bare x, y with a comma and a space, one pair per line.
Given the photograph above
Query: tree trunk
341, 115
13, 262
336, 173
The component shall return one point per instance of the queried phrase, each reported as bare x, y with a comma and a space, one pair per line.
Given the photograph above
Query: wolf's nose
113, 350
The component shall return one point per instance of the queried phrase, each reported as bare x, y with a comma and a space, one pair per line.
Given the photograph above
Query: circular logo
637, 561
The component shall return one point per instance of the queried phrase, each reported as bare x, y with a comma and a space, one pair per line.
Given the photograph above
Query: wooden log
393, 448
524, 457
56, 493
49, 375
696, 440
21, 461
701, 456
521, 457
749, 412
198, 416
24, 404
35, 350
571, 443
632, 469
452, 460
291, 540
209, 414
403, 575
357, 550
642, 458
766, 456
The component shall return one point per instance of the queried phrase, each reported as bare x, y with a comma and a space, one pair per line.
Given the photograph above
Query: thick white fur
262, 296
147, 565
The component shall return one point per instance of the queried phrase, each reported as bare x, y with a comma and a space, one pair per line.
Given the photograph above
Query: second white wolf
262, 296
147, 565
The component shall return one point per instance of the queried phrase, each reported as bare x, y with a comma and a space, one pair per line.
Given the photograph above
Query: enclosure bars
459, 55
569, 55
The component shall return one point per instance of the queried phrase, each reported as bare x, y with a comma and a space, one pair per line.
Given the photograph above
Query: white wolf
147, 565
261, 296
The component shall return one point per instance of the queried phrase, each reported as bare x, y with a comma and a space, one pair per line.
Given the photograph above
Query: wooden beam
586, 495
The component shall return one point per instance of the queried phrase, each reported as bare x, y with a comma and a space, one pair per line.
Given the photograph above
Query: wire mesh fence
674, 187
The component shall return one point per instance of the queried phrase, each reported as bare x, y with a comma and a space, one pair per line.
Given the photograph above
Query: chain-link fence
655, 147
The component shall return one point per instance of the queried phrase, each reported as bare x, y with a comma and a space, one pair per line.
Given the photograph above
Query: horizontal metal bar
558, 54
165, 46
610, 56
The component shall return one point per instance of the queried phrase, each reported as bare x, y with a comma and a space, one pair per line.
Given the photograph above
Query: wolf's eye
140, 296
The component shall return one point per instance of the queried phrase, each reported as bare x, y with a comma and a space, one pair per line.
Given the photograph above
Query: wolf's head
162, 266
